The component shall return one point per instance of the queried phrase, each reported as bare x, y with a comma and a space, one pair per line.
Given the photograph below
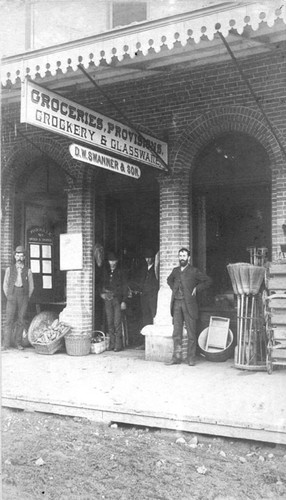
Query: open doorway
127, 221
231, 192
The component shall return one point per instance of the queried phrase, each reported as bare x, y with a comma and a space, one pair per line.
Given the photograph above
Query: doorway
231, 192
40, 217
127, 221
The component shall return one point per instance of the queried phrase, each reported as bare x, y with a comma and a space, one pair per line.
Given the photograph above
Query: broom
240, 277
230, 268
235, 289
244, 276
257, 275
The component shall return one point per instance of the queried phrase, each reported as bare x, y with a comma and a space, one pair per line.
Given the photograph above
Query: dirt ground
63, 458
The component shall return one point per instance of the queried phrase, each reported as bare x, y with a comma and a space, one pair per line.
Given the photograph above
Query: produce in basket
41, 320
96, 340
99, 342
52, 332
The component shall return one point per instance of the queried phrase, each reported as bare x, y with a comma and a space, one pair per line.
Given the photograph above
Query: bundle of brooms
246, 282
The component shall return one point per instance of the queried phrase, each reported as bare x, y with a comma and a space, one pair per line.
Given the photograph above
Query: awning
153, 41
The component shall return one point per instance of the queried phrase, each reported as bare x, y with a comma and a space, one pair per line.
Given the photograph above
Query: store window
41, 256
124, 13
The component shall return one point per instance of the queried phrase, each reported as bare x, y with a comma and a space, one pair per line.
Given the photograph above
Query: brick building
211, 84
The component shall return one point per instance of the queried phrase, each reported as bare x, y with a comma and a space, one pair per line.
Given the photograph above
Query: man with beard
18, 287
185, 281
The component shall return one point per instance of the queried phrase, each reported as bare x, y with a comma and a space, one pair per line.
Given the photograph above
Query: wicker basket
49, 348
44, 318
78, 345
98, 347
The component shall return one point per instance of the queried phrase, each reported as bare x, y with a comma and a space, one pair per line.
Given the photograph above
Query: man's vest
12, 280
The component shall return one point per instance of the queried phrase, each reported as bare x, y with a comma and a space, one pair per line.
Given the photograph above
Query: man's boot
173, 361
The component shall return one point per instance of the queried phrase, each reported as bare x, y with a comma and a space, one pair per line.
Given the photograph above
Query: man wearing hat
18, 287
114, 293
150, 287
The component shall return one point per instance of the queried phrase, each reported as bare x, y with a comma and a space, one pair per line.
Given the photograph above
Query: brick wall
188, 109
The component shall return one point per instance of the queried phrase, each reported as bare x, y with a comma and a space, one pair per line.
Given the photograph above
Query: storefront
223, 189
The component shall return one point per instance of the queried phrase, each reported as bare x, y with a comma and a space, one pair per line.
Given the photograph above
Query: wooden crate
276, 276
279, 333
276, 268
278, 354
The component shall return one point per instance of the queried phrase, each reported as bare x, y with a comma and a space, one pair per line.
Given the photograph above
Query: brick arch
17, 159
218, 121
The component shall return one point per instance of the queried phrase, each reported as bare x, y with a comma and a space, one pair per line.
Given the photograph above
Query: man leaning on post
185, 281
18, 287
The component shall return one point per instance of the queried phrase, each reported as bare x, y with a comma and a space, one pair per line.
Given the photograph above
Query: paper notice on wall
70, 251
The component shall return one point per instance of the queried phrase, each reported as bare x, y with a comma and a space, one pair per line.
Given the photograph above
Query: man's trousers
148, 307
18, 303
181, 315
114, 322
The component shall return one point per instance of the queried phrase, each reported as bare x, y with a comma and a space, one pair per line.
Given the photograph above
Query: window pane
46, 267
34, 251
35, 266
46, 251
47, 282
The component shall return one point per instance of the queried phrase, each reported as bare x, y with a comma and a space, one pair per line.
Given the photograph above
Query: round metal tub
216, 354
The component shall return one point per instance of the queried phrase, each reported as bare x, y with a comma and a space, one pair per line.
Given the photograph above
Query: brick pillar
7, 236
7, 228
174, 234
79, 309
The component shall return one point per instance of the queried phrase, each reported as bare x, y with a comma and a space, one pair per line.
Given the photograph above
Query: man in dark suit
114, 294
149, 289
185, 281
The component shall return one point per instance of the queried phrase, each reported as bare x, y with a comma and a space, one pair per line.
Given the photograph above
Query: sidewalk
209, 398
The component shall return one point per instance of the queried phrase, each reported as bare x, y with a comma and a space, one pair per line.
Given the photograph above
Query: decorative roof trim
140, 40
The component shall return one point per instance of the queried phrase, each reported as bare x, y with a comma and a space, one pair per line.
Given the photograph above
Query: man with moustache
185, 281
18, 287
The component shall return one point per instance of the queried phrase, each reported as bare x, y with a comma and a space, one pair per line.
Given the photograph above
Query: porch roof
188, 39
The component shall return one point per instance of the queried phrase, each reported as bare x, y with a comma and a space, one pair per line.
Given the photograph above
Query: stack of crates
276, 314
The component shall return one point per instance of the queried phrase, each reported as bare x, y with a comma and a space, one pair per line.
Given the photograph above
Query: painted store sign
104, 161
46, 109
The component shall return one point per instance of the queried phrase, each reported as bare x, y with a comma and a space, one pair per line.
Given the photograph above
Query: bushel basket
78, 345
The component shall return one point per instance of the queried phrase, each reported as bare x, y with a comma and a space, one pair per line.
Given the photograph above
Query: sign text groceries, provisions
104, 161
48, 110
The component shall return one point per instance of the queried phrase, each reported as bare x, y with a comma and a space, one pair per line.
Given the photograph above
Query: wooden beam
185, 424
